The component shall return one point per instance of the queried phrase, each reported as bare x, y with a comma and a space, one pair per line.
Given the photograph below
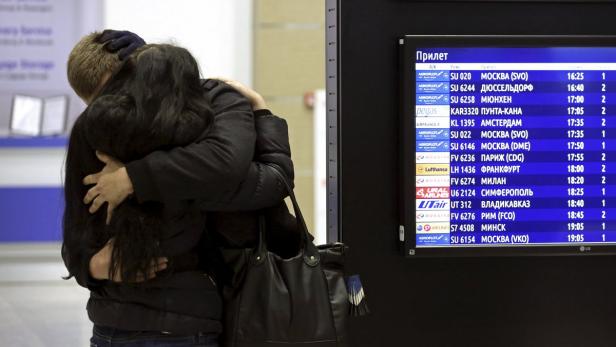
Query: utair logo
433, 204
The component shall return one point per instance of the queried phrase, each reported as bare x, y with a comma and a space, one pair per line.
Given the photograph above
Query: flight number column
463, 181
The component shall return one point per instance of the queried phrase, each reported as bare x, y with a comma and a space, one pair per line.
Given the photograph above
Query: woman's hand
100, 264
256, 100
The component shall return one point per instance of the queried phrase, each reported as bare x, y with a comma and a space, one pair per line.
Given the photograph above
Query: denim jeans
110, 337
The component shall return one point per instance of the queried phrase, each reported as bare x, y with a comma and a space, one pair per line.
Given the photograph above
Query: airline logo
432, 158
432, 169
432, 204
431, 134
432, 228
432, 239
432, 76
432, 122
432, 87
432, 146
432, 99
432, 216
432, 181
433, 111
432, 193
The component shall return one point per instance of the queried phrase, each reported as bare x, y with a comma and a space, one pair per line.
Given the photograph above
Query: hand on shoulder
256, 100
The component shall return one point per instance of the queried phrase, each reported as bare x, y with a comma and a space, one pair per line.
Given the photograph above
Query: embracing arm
90, 265
217, 171
80, 239
77, 264
208, 168
262, 186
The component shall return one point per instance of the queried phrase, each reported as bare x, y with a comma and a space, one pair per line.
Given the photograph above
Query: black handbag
299, 301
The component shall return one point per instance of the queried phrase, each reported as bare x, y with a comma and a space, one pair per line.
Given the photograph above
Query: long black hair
154, 101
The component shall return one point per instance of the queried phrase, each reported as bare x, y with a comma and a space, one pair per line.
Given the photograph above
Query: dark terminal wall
497, 301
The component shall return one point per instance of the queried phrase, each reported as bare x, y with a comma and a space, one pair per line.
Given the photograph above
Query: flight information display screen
513, 146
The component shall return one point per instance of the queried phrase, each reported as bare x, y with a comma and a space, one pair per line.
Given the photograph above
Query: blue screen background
565, 146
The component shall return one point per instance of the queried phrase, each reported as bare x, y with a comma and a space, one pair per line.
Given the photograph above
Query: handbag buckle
311, 260
259, 258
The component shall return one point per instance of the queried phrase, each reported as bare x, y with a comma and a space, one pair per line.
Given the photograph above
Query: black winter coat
217, 173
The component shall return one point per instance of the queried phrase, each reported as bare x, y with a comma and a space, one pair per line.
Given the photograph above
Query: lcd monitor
508, 145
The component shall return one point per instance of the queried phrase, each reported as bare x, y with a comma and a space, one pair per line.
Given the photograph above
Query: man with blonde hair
88, 68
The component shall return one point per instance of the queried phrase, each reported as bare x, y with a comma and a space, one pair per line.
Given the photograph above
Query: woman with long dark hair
153, 102
157, 292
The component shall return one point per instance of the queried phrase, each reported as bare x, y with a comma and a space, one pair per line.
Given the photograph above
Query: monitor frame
407, 237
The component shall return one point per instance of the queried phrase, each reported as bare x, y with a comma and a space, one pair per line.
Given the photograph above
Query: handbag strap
311, 251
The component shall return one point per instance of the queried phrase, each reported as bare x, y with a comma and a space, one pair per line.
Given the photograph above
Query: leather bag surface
298, 301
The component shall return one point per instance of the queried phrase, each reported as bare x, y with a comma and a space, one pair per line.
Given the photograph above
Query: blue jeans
110, 337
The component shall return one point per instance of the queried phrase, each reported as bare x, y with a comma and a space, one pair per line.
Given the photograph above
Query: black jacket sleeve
215, 171
80, 267
273, 142
216, 164
261, 187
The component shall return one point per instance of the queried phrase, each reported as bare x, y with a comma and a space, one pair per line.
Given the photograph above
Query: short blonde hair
88, 64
